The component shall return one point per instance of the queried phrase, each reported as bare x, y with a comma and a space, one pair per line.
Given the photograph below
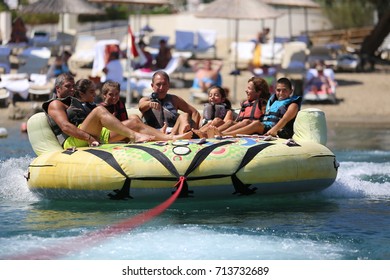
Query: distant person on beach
18, 31
164, 55
113, 70
161, 109
206, 75
263, 36
111, 100
79, 122
60, 65
320, 78
148, 65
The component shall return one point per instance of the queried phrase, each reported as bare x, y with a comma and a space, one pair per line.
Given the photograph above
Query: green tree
353, 13
348, 13
3, 6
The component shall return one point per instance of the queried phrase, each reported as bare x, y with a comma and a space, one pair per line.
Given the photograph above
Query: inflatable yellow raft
247, 165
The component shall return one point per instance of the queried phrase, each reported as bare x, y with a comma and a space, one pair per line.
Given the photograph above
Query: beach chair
173, 65
154, 41
84, 52
5, 63
35, 62
294, 60
206, 41
101, 55
272, 53
4, 96
40, 86
66, 39
241, 53
184, 41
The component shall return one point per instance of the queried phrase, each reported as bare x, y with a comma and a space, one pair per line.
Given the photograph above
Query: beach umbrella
77, 7
130, 48
238, 10
305, 4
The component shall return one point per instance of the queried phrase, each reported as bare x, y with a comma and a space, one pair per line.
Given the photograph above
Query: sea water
348, 221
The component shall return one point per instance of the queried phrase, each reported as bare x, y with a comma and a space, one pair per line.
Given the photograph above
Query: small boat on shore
210, 168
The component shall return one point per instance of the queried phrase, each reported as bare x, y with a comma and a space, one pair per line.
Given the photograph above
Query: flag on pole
135, 53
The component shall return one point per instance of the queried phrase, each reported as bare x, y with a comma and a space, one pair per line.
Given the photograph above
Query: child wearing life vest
278, 120
252, 109
216, 112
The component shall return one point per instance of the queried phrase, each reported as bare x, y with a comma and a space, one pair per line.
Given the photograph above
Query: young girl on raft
215, 113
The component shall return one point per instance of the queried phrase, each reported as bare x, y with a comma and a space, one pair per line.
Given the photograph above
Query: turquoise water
348, 221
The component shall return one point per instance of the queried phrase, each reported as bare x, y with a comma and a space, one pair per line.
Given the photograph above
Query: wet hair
161, 73
110, 85
222, 91
261, 86
286, 82
82, 86
62, 78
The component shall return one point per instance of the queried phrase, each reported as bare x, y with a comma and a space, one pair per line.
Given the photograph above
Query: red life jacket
250, 110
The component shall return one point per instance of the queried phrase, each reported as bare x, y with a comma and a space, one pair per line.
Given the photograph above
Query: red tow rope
75, 244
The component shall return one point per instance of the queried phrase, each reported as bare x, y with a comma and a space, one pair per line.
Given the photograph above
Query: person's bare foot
213, 132
187, 135
200, 133
141, 138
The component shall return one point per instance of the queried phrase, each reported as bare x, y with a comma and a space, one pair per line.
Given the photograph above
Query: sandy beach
363, 97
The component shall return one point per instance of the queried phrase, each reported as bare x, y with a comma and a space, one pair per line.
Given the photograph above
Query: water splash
361, 179
13, 184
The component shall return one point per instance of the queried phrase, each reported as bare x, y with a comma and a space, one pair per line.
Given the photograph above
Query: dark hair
62, 78
82, 86
161, 73
286, 82
141, 44
109, 85
261, 86
222, 91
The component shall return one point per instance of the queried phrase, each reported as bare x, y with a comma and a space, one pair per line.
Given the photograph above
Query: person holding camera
161, 109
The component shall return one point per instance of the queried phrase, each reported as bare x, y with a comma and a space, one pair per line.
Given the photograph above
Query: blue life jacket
276, 109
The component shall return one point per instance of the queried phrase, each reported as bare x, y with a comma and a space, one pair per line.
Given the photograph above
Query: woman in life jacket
215, 113
281, 111
252, 109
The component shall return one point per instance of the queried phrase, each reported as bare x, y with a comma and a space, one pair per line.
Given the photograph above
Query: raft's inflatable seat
310, 125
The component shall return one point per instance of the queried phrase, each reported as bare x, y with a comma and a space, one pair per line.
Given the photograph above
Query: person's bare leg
100, 117
226, 125
255, 127
182, 124
164, 128
136, 124
217, 122
237, 125
201, 133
